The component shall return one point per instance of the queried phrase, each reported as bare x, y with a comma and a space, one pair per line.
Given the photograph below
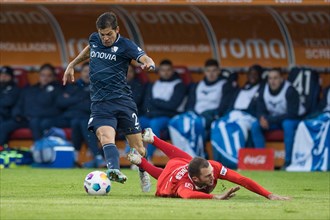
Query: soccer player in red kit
192, 178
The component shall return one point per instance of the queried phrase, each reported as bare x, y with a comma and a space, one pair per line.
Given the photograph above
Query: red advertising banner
256, 159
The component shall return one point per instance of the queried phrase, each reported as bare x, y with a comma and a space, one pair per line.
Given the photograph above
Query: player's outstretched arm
69, 72
227, 195
251, 185
147, 63
278, 197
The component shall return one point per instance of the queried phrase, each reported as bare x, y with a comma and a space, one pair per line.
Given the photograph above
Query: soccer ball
97, 183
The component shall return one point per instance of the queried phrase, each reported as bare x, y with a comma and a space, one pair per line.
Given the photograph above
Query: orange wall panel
237, 36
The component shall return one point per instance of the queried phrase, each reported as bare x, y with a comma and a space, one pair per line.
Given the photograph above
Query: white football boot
135, 158
145, 182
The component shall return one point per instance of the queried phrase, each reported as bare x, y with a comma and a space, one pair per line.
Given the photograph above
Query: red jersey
174, 181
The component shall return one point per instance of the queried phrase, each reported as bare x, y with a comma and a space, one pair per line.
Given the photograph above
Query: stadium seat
67, 132
21, 134
21, 77
184, 74
59, 73
26, 134
275, 135
141, 75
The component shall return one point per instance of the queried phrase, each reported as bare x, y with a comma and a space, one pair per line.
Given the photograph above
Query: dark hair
277, 69
195, 166
107, 20
257, 68
211, 62
48, 66
166, 62
7, 70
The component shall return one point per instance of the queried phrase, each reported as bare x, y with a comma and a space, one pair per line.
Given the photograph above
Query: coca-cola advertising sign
256, 159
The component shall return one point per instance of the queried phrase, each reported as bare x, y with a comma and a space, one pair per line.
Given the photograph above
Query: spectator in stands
137, 87
230, 132
277, 108
207, 100
36, 106
9, 93
311, 145
74, 103
162, 101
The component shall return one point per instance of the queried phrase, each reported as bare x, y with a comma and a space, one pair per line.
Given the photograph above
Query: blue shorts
121, 114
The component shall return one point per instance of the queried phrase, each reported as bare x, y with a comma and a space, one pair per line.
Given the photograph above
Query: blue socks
111, 155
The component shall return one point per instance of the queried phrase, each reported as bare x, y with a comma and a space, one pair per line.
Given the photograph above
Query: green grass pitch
28, 193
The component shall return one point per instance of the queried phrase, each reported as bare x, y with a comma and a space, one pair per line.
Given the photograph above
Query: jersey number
136, 119
303, 76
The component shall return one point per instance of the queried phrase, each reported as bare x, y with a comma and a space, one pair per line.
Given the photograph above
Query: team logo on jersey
139, 49
223, 171
273, 104
102, 55
205, 92
114, 49
189, 186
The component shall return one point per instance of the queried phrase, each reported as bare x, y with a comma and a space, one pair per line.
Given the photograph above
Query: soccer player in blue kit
112, 105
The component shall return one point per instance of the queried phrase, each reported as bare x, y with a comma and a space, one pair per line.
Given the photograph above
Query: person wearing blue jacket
36, 106
9, 93
74, 102
207, 100
162, 101
230, 132
278, 107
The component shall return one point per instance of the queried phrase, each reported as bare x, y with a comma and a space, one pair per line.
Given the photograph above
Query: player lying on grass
192, 178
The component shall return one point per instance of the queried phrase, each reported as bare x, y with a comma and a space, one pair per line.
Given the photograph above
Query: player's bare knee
104, 140
104, 137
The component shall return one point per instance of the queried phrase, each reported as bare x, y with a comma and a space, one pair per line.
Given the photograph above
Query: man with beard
193, 178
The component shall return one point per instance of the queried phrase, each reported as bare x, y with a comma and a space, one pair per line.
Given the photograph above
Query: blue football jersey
108, 67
